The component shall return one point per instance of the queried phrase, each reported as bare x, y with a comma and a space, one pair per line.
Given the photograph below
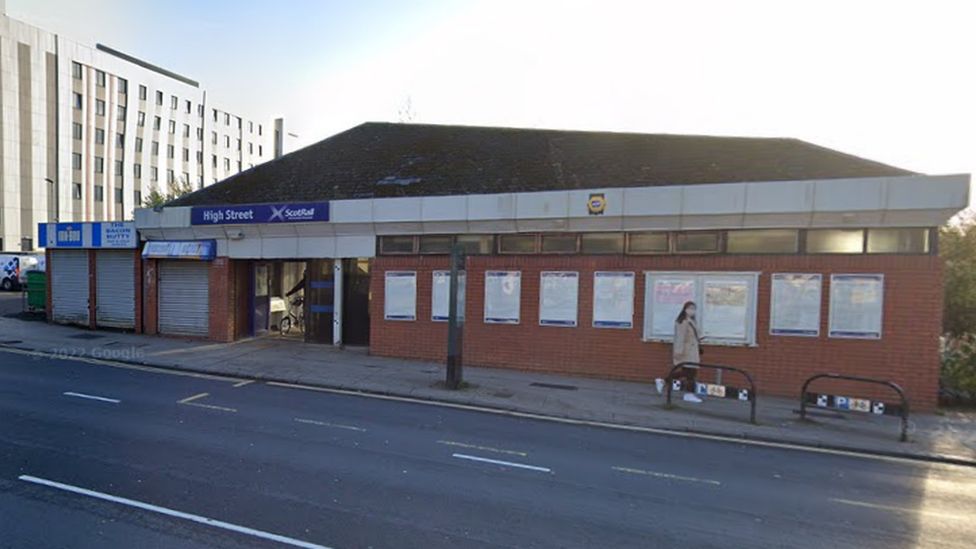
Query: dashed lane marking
668, 476
285, 540
187, 400
503, 463
243, 383
483, 448
327, 424
937, 514
91, 397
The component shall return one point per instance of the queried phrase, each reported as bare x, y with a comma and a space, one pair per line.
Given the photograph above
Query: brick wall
222, 293
906, 354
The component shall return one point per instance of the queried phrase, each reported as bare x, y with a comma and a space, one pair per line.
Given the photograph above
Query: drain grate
87, 336
555, 386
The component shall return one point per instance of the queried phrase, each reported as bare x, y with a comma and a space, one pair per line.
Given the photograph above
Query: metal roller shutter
115, 289
69, 286
184, 297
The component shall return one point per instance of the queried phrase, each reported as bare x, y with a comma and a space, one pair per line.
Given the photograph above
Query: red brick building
581, 247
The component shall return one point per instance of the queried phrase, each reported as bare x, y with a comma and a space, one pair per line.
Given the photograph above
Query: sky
888, 80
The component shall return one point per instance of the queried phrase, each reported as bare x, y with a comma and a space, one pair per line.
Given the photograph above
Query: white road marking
947, 516
192, 398
484, 448
503, 463
173, 513
189, 401
327, 424
243, 383
622, 427
668, 476
91, 397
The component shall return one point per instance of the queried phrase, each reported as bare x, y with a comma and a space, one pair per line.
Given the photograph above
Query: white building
88, 131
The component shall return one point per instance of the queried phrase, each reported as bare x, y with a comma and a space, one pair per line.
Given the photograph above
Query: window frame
629, 251
501, 237
719, 244
380, 239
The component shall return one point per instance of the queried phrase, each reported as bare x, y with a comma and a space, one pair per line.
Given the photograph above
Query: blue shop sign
204, 250
260, 213
100, 234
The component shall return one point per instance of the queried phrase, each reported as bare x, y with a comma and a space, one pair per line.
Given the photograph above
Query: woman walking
687, 348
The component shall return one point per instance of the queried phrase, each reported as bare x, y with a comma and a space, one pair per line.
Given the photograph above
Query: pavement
99, 456
946, 436
10, 303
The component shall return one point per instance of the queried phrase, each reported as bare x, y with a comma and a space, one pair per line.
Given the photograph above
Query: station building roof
379, 160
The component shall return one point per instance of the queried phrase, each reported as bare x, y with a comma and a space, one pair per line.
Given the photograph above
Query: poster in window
503, 291
400, 295
668, 294
558, 298
794, 308
856, 305
613, 299
441, 292
725, 310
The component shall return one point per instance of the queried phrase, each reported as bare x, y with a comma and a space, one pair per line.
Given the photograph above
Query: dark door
319, 300
260, 298
355, 302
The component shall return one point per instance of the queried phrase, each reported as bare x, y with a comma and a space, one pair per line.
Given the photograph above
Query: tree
174, 190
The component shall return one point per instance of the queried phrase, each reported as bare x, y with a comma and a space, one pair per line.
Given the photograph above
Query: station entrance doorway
296, 299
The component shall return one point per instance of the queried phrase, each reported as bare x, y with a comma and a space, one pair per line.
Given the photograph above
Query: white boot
690, 397
659, 383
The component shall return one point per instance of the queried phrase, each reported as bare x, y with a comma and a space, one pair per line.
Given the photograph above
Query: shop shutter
69, 286
115, 287
184, 297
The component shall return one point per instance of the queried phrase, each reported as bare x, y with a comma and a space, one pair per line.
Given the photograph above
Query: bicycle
292, 318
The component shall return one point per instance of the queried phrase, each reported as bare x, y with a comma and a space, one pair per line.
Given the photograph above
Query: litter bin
36, 290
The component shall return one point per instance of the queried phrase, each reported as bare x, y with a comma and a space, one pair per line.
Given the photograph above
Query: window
142, 92
199, 134
397, 244
77, 100
189, 106
476, 243
186, 177
137, 198
174, 102
100, 79
227, 119
76, 191
170, 176
76, 130
213, 137
771, 241
436, 244
200, 111
119, 139
137, 171
227, 164
559, 243
154, 173
214, 157
76, 161
138, 144
260, 150
517, 243
157, 123
227, 141
240, 123
99, 193
250, 127
602, 243
118, 168
118, 195
100, 107
186, 154
260, 130
154, 149
76, 70
123, 86
186, 130
99, 136
200, 180
120, 113
647, 243
238, 165
238, 144
99, 164
172, 127
215, 115
250, 148
159, 97
835, 241
141, 119
898, 241
696, 242
170, 151
726, 305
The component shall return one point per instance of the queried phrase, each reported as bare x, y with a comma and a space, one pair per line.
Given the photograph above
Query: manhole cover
555, 386
87, 336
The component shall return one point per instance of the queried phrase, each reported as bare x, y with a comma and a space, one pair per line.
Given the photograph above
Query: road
10, 303
100, 456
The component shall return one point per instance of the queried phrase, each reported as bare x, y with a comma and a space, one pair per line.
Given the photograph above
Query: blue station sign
99, 234
301, 212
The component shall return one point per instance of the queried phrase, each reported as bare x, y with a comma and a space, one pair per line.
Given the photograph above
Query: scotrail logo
286, 213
